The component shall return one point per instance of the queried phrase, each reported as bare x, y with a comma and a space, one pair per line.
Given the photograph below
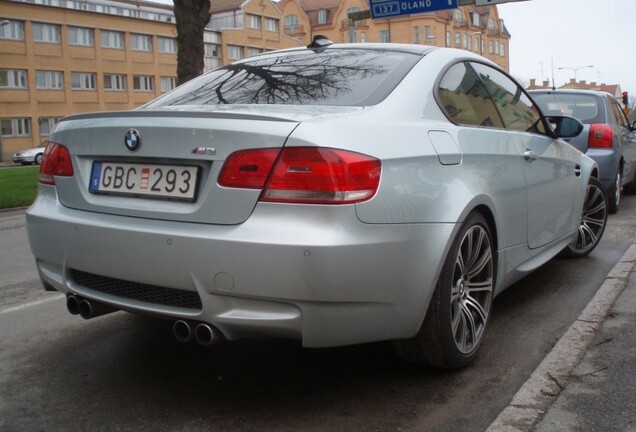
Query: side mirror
565, 127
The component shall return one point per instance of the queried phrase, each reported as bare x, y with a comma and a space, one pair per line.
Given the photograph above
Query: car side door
548, 165
627, 139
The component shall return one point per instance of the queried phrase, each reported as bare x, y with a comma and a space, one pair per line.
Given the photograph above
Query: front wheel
593, 222
459, 310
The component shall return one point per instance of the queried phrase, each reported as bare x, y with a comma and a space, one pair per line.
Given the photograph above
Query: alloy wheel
593, 220
472, 289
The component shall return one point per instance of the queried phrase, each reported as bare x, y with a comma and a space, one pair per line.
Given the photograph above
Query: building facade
60, 57
474, 28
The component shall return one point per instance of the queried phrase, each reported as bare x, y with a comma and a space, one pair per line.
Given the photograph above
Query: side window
620, 117
464, 98
515, 107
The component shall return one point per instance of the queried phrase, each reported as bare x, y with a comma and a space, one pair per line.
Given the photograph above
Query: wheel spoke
479, 286
471, 303
471, 328
480, 265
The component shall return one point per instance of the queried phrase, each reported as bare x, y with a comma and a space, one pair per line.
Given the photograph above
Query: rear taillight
304, 175
600, 136
56, 162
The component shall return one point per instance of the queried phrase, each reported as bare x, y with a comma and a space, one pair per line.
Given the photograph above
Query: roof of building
225, 5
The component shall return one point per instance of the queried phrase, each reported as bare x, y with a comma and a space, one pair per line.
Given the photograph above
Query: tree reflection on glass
338, 77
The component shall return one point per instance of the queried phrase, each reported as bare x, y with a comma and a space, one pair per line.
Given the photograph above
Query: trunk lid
176, 138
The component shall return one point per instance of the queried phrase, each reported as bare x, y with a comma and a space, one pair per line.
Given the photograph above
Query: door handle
529, 155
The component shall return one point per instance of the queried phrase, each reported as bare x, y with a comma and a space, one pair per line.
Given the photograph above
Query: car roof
571, 91
388, 47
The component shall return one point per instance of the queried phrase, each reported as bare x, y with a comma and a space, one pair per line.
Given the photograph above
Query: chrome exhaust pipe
73, 304
206, 334
182, 331
90, 309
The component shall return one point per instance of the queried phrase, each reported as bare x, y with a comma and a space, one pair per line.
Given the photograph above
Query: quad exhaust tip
205, 334
87, 309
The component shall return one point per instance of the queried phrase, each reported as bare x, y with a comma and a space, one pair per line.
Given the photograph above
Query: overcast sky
574, 33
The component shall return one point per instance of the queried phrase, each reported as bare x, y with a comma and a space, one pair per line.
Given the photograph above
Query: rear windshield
586, 108
338, 77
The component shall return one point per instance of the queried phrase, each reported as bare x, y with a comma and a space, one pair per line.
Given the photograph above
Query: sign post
390, 8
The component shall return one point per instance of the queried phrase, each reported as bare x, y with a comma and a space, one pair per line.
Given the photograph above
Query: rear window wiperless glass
336, 77
586, 108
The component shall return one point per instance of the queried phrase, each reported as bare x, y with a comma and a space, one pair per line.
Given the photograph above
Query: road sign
391, 8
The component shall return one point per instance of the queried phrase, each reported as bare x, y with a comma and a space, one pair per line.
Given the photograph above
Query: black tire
615, 193
38, 159
593, 222
459, 311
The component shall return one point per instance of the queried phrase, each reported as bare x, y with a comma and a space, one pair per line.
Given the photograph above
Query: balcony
461, 23
294, 30
360, 24
494, 32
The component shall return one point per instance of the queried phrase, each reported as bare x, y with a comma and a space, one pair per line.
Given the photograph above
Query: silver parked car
607, 136
333, 194
29, 157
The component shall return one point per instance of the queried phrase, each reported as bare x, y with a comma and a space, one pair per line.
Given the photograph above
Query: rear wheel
615, 192
38, 159
459, 310
593, 221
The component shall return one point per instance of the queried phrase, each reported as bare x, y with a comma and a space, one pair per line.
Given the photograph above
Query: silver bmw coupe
332, 194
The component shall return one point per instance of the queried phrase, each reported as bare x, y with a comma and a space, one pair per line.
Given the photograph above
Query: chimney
593, 84
533, 83
572, 81
582, 82
546, 83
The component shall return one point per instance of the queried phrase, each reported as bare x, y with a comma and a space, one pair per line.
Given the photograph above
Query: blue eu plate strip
96, 174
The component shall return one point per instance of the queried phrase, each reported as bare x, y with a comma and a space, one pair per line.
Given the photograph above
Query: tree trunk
191, 16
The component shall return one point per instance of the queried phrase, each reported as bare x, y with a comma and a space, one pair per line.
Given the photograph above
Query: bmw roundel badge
132, 140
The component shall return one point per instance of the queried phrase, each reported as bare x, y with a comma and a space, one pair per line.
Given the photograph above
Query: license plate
142, 180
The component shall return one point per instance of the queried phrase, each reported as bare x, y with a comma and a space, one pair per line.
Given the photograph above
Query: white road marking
30, 304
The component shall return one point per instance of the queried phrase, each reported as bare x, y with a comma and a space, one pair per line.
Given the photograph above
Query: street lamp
575, 69
481, 51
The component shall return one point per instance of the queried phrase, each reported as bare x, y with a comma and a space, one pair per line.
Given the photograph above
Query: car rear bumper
607, 161
315, 273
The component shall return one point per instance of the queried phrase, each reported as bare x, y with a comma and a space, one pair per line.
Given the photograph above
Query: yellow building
60, 57
474, 28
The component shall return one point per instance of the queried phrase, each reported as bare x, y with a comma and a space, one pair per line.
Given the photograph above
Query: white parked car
29, 157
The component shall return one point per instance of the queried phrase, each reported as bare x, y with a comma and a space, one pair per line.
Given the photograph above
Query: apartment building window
496, 47
112, 39
470, 44
15, 127
144, 83
141, 42
363, 37
475, 19
491, 47
502, 50
167, 45
448, 38
83, 81
49, 80
210, 50
476, 44
458, 39
291, 22
234, 52
13, 79
271, 24
115, 82
483, 46
14, 30
416, 34
251, 52
491, 24
81, 36
464, 40
46, 125
252, 21
48, 33
385, 36
322, 16
167, 84
459, 17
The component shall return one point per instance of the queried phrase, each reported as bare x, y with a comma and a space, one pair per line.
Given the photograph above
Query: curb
538, 393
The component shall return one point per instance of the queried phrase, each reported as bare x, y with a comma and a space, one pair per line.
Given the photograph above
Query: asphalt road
122, 372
